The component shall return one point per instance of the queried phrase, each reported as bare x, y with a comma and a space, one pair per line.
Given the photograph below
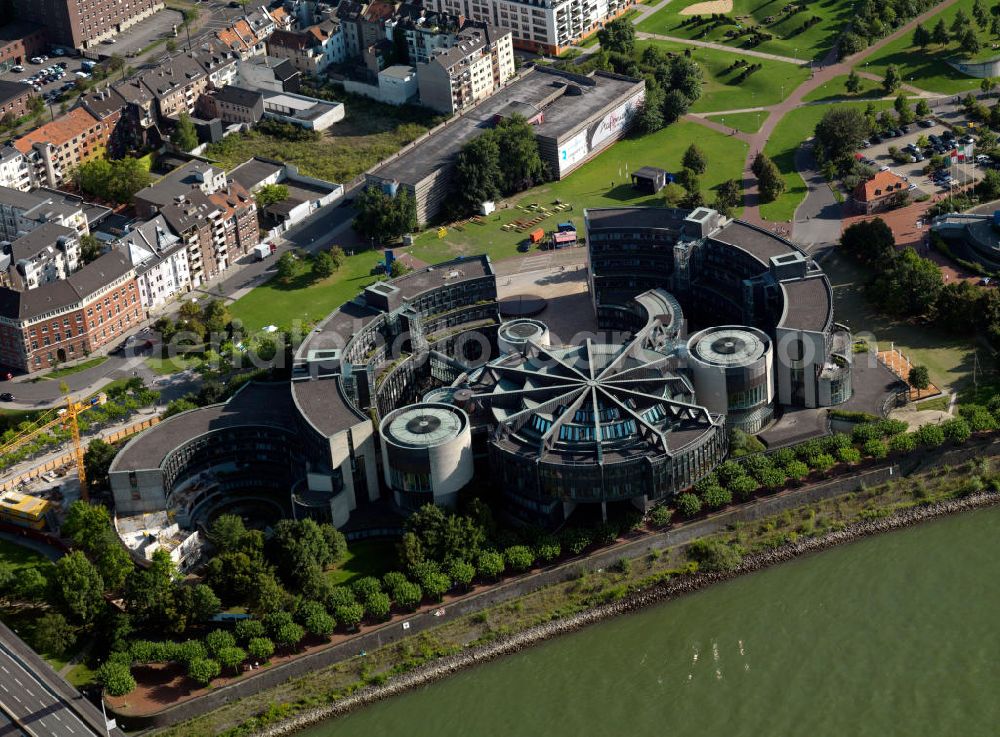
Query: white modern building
160, 260
15, 171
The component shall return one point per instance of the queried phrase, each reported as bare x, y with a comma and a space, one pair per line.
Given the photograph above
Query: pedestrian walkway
643, 35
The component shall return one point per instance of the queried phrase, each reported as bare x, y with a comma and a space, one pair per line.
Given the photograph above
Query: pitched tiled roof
59, 131
883, 183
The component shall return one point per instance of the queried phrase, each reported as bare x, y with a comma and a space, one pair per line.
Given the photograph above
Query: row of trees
113, 180
871, 20
961, 31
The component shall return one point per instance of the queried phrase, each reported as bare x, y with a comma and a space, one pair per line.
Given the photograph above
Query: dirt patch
706, 8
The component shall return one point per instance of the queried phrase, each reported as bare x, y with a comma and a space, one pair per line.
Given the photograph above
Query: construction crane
68, 418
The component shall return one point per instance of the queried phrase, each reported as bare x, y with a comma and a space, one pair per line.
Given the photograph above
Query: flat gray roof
535, 88
621, 218
417, 282
322, 404
253, 172
808, 304
758, 242
254, 405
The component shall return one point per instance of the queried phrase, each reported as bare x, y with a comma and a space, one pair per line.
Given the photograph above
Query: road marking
58, 718
18, 682
17, 698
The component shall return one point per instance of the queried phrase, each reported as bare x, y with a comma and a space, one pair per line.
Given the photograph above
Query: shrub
717, 497
116, 678
688, 505
349, 615
930, 436
377, 606
490, 564
797, 470
248, 629
290, 634
956, 430
408, 595
218, 640
339, 596
232, 657
316, 620
364, 587
773, 478
727, 472
260, 648
757, 464
203, 670
875, 448
743, 488
866, 431
461, 573
606, 534
576, 539
822, 462
783, 456
547, 549
518, 557
392, 580
978, 417
660, 516
836, 442
849, 455
889, 428
904, 443
714, 555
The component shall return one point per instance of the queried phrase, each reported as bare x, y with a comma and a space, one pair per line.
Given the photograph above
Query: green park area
74, 369
602, 182
793, 34
949, 358
24, 578
723, 88
927, 68
746, 122
795, 127
364, 558
836, 91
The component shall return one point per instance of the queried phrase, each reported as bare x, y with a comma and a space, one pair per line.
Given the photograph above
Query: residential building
19, 41
879, 193
80, 24
130, 108
239, 220
305, 194
54, 149
233, 104
21, 212
177, 84
479, 63
312, 49
15, 100
71, 318
159, 258
199, 223
424, 32
193, 175
542, 26
45, 254
269, 73
15, 171
398, 85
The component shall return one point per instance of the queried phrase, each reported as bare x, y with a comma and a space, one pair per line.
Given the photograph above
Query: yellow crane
67, 418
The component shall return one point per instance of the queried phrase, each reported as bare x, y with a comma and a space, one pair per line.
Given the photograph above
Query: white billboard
573, 152
615, 121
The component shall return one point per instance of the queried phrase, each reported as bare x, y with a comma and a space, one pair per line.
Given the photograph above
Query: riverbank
656, 593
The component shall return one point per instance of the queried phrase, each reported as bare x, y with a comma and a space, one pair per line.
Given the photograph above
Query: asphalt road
25, 699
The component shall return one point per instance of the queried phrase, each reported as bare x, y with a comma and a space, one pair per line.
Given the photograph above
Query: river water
893, 635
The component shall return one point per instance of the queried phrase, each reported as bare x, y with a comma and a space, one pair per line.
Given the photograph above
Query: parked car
876, 139
17, 68
36, 60
866, 143
6, 397
925, 123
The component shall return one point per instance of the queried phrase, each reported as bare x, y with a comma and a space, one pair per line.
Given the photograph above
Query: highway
36, 702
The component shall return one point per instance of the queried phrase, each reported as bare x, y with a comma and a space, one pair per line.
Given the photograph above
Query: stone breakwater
665, 591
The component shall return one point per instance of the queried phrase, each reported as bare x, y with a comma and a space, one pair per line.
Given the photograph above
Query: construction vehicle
67, 417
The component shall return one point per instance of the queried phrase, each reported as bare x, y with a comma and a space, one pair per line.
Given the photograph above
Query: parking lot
53, 83
962, 173
133, 40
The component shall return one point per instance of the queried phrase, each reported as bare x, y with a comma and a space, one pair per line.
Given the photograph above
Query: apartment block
159, 258
479, 63
81, 24
15, 171
543, 26
46, 254
56, 148
21, 212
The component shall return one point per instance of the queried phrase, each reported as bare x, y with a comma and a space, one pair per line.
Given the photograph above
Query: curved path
642, 35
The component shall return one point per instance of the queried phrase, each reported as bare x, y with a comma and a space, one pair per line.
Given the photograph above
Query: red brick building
19, 42
79, 24
15, 99
879, 193
69, 319
239, 219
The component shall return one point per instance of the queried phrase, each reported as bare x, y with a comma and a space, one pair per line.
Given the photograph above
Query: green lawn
23, 619
949, 359
835, 91
171, 365
21, 558
746, 122
599, 183
797, 126
811, 43
365, 558
70, 370
927, 69
306, 299
938, 403
767, 86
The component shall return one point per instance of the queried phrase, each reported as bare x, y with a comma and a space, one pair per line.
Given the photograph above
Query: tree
518, 558
377, 606
903, 111
461, 573
618, 35
688, 505
940, 34
956, 430
660, 516
675, 105
853, 83
477, 173
382, 217
922, 109
408, 595
171, 46
289, 635
969, 42
184, 136
980, 14
232, 657
988, 85
521, 165
490, 564
78, 587
116, 678
203, 670
919, 378
769, 179
53, 634
323, 265
96, 462
960, 23
90, 248
260, 648
218, 640
930, 436
892, 79
203, 604
650, 116
315, 619
910, 286
871, 242
839, 134
338, 256
349, 615
694, 159
728, 197
248, 629
270, 194
115, 181
288, 266
921, 37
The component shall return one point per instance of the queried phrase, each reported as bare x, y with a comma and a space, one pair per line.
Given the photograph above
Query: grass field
275, 303
811, 43
797, 126
949, 359
70, 370
599, 183
834, 90
927, 69
767, 86
746, 122
170, 365
365, 558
